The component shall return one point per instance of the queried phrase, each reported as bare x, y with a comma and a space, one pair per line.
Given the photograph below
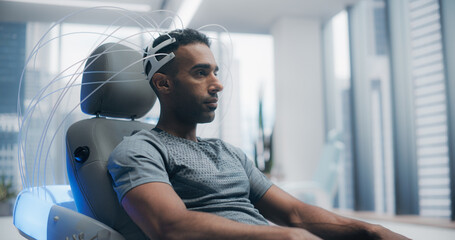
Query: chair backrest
114, 86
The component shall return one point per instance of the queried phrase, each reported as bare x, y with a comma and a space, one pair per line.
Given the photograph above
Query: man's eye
202, 73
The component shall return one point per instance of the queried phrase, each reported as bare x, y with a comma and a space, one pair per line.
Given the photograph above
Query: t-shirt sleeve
259, 183
134, 162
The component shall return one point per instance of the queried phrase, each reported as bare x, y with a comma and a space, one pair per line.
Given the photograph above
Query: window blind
430, 108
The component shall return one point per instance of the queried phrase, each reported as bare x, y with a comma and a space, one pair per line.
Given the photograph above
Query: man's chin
207, 119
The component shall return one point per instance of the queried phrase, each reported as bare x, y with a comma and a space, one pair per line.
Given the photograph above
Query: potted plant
263, 158
7, 193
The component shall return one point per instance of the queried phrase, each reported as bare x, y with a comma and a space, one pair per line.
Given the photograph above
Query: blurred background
347, 104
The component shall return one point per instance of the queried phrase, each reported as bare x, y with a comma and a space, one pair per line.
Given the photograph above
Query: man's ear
162, 83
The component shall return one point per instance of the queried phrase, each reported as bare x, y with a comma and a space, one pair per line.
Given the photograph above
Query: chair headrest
126, 93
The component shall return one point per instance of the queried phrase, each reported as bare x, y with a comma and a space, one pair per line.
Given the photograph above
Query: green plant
6, 189
263, 145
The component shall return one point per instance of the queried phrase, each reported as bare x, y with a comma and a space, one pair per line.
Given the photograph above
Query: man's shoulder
139, 136
140, 141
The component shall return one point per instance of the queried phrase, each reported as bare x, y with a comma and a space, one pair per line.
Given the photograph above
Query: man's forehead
195, 54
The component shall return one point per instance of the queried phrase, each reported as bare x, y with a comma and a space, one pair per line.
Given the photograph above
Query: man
175, 185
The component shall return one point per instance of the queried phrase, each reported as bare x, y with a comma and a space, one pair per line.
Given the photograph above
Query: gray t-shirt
209, 175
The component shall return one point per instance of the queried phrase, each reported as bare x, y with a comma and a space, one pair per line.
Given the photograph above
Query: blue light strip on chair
31, 211
31, 214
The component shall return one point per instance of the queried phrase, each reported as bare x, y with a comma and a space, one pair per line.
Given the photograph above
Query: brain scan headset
151, 63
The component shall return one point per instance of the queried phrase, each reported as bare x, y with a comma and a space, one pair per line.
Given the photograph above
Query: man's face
195, 84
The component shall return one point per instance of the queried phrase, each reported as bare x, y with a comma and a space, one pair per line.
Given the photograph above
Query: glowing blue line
34, 51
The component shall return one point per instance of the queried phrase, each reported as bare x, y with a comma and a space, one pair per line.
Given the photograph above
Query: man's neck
178, 129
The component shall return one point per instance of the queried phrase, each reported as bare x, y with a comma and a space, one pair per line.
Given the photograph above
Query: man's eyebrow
204, 65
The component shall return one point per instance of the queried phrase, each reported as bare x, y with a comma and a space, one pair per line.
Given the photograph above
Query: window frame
448, 36
406, 178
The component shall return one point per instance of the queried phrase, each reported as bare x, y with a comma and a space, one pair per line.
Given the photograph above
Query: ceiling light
187, 10
88, 4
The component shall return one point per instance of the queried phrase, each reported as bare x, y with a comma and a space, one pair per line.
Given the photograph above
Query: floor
7, 229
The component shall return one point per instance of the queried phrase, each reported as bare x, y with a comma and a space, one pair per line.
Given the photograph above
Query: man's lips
212, 103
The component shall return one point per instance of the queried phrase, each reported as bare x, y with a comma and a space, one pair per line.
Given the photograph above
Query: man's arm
161, 214
283, 209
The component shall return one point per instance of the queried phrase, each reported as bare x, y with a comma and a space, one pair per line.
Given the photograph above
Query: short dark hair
182, 37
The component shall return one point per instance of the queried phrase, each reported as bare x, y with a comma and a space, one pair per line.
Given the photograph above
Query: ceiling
248, 16
257, 16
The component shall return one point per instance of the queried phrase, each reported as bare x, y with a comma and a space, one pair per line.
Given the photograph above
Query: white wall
299, 127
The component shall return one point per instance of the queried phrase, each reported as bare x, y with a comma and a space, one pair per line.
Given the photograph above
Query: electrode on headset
151, 63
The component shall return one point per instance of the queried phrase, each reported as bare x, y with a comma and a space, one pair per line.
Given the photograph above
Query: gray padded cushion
131, 99
90, 181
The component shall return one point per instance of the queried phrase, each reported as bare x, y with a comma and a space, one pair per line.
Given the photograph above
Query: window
249, 81
430, 108
371, 134
419, 74
400, 114
338, 99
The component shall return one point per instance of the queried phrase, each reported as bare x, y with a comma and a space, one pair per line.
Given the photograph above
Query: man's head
182, 37
187, 86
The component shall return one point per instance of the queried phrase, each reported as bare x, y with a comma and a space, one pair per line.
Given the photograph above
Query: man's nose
215, 85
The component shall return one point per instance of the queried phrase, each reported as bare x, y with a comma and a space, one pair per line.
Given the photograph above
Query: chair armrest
64, 223
37, 218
